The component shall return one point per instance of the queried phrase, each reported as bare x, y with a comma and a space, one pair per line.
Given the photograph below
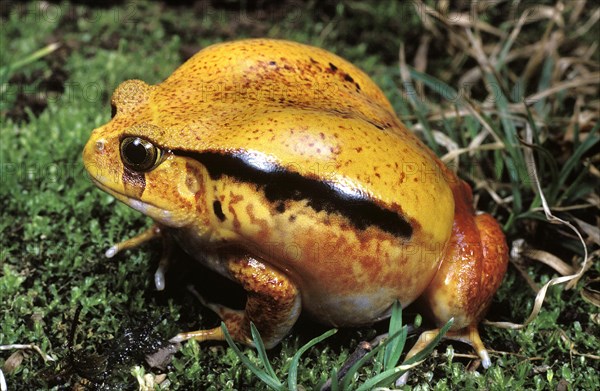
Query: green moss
56, 225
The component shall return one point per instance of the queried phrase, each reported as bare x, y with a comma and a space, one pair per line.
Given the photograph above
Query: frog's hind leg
273, 304
465, 283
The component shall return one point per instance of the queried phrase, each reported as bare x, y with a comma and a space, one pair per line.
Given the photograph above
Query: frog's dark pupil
139, 154
136, 152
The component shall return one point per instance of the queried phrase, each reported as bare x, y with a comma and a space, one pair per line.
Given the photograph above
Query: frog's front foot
154, 232
273, 304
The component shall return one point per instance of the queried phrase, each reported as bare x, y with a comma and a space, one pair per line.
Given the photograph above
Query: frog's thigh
273, 304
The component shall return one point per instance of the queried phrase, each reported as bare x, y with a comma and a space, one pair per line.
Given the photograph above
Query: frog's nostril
100, 145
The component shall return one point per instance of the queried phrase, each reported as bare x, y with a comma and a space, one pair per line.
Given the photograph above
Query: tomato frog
284, 168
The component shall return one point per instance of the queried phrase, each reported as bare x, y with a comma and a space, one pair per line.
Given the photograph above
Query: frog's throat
159, 214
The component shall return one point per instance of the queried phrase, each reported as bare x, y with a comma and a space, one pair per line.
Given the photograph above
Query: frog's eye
139, 155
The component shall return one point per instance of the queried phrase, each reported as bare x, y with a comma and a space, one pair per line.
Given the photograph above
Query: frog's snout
99, 161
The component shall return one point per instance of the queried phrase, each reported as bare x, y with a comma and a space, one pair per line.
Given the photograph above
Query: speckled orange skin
286, 107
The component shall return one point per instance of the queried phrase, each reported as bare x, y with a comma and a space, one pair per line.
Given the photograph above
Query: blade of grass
515, 162
293, 375
436, 85
393, 351
262, 353
335, 385
577, 189
508, 44
512, 169
450, 127
450, 93
262, 375
545, 158
544, 83
6, 71
389, 376
420, 112
419, 107
425, 352
443, 89
354, 368
385, 378
427, 130
575, 159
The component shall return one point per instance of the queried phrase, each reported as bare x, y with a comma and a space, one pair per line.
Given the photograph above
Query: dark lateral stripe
134, 179
218, 210
280, 185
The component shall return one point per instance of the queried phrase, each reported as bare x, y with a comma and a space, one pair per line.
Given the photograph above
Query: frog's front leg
273, 304
150, 234
154, 232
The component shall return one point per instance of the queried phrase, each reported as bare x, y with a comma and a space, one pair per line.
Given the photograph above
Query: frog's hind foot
469, 335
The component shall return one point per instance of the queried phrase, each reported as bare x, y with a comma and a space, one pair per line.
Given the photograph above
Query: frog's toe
422, 342
215, 334
159, 278
471, 336
485, 358
163, 264
234, 321
151, 233
112, 251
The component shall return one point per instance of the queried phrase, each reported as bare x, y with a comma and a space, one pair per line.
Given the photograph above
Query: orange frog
283, 167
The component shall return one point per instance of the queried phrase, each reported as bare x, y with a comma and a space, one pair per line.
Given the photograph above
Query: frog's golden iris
139, 155
283, 167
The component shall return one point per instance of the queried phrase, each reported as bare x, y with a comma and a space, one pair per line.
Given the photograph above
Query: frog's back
280, 105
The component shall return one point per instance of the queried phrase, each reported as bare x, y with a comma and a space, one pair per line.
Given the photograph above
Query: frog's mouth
157, 213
